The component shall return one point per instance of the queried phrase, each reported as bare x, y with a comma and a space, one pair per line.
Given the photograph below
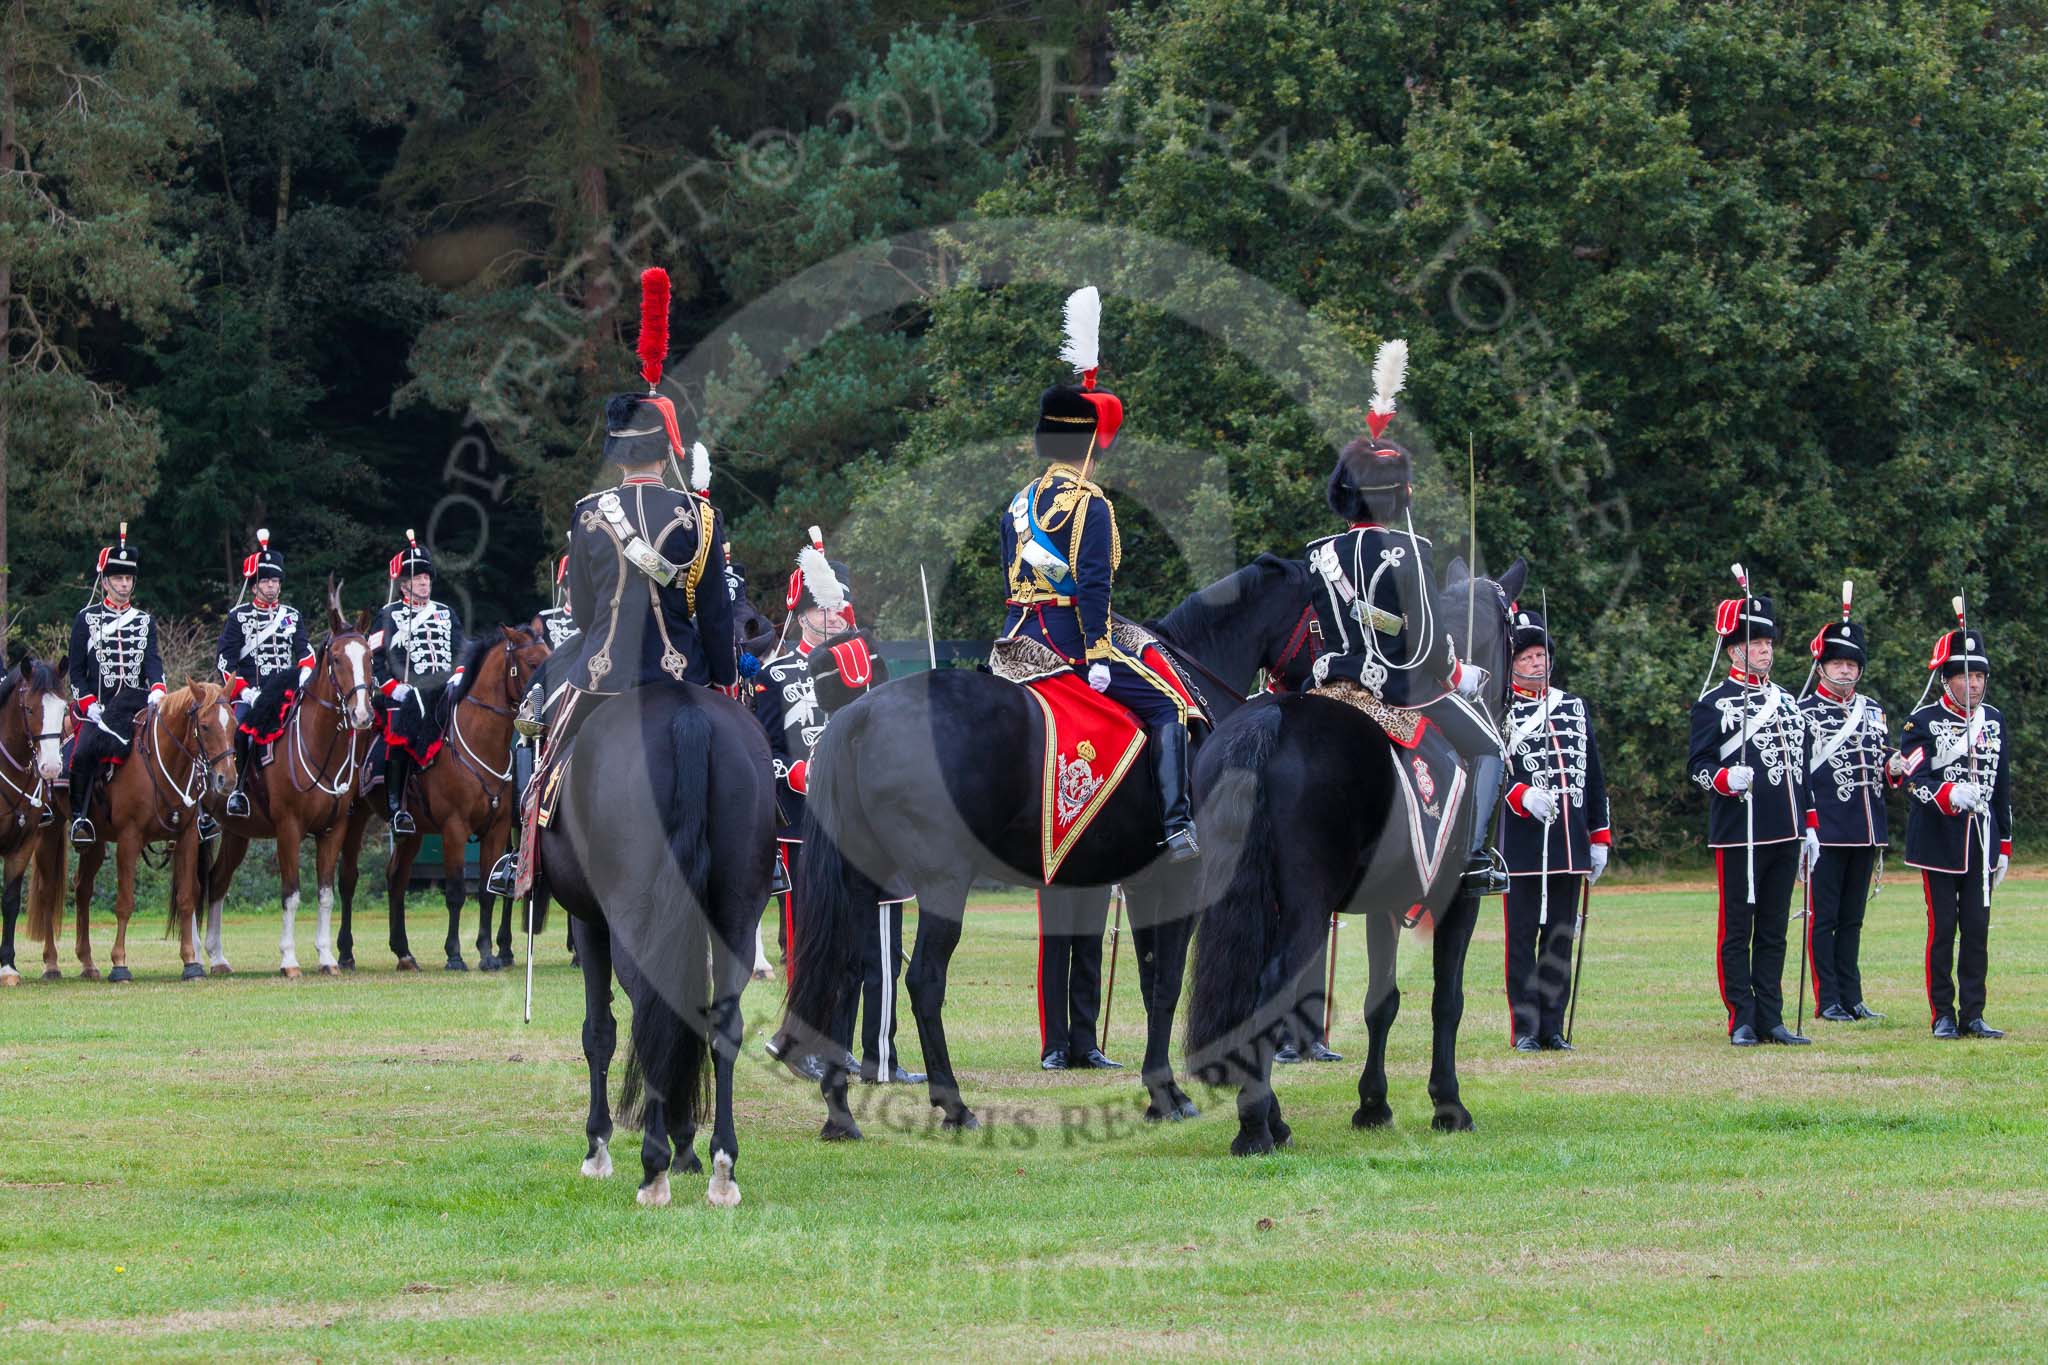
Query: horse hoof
962, 1122
691, 1164
408, 963
848, 1131
289, 973
89, 974
222, 969
1243, 1145
1283, 1136
456, 964
1378, 1114
764, 973
329, 969
9, 977
52, 974
348, 964
120, 974
724, 1193
654, 1194
193, 972
488, 963
1452, 1118
598, 1165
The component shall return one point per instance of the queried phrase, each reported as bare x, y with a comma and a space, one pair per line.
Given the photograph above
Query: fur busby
1841, 640
267, 562
640, 429
1739, 619
120, 557
1527, 631
1370, 480
413, 559
1076, 421
1960, 651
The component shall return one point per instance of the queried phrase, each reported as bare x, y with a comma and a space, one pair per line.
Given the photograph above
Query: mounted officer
260, 639
116, 671
416, 650
1954, 758
831, 664
1376, 609
1061, 551
1850, 744
1748, 753
1556, 826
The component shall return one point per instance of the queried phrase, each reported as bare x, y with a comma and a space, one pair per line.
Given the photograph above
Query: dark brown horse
307, 788
183, 749
467, 789
35, 717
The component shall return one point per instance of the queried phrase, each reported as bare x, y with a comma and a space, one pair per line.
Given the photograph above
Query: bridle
37, 795
488, 777
1307, 636
316, 775
201, 763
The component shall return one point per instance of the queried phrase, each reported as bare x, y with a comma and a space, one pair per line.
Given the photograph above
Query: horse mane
41, 677
195, 692
1201, 623
474, 652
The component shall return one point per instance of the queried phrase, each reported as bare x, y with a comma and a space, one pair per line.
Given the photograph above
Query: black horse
935, 778
1303, 785
659, 850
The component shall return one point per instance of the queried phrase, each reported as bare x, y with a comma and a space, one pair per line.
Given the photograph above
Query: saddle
419, 724
1429, 780
270, 709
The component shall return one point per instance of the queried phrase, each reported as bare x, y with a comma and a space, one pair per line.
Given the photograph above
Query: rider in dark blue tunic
261, 638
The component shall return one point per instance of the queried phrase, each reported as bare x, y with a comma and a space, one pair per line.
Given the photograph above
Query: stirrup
46, 817
209, 828
238, 804
401, 823
778, 878
1486, 874
82, 833
1181, 846
504, 875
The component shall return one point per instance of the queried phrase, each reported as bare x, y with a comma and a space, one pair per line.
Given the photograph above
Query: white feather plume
824, 585
700, 467
1848, 593
1389, 373
1740, 577
1082, 347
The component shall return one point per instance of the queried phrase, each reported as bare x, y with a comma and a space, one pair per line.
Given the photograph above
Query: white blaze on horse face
356, 655
49, 749
224, 774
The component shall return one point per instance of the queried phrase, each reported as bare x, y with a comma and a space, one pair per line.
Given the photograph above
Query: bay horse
307, 788
659, 848
35, 718
466, 789
184, 750
934, 777
1303, 822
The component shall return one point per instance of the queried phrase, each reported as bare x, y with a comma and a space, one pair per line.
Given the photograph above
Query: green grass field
384, 1166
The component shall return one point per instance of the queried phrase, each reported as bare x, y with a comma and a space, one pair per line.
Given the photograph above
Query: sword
1963, 620
1563, 782
529, 957
1579, 962
1806, 951
1748, 804
1330, 986
931, 643
1116, 935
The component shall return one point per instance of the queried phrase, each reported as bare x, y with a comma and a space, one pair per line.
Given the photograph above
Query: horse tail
1239, 889
832, 897
670, 982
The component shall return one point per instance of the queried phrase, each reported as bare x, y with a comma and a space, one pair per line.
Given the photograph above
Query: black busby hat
641, 428
120, 557
1372, 474
817, 582
1960, 651
413, 559
1741, 619
1075, 421
1840, 639
266, 562
1527, 631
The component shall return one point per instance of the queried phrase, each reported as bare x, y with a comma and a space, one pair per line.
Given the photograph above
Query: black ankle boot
396, 770
82, 781
1170, 768
1486, 873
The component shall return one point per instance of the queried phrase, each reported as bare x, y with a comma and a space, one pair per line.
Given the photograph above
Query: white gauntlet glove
1098, 677
156, 698
1967, 796
1809, 854
402, 692
1740, 777
1540, 803
1471, 678
1599, 853
95, 711
1998, 869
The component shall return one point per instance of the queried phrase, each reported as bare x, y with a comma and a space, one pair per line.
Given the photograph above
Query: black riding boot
238, 799
397, 769
1170, 767
1486, 872
83, 778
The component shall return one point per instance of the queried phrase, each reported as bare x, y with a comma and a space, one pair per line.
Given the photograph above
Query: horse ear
63, 666
1515, 579
513, 635
1456, 572
363, 621
28, 666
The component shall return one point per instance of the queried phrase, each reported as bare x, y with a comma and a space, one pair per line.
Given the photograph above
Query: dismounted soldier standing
1557, 797
1376, 608
1749, 755
115, 672
1070, 925
1959, 834
1849, 741
830, 665
261, 638
416, 651
1061, 552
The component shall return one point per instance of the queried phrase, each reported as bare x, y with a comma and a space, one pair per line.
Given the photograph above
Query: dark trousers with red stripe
1539, 969
1070, 925
1752, 935
1841, 888
1955, 974
875, 1003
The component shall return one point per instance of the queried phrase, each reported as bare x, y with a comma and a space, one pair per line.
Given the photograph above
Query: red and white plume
1082, 347
1389, 373
826, 589
700, 468
653, 324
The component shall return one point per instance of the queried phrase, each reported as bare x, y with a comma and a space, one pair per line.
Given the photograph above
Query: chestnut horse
307, 788
34, 719
467, 789
184, 748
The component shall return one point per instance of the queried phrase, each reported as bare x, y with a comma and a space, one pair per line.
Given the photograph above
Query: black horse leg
1162, 952
938, 934
504, 928
452, 896
10, 911
730, 973
486, 959
1446, 1009
1382, 1003
655, 1155
600, 1040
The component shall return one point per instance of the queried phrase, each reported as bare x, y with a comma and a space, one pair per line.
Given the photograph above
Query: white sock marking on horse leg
763, 969
288, 954
654, 1194
598, 1165
213, 953
322, 938
725, 1191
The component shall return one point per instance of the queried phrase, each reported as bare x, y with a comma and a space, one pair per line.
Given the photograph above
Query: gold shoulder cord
702, 557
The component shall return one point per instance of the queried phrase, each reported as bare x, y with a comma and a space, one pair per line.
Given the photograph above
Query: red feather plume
653, 323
